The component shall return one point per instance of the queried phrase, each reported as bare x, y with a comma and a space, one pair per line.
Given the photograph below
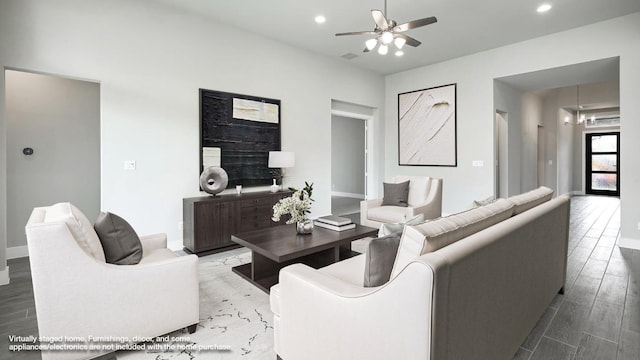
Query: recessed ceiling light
399, 53
320, 19
543, 8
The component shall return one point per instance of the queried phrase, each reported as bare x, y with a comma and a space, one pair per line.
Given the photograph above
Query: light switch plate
129, 164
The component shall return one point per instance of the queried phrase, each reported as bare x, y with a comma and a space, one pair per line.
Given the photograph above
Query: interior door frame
586, 166
368, 150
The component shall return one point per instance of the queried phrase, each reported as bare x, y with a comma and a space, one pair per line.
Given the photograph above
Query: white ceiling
463, 27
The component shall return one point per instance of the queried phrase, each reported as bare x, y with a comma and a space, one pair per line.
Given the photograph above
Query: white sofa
425, 197
77, 294
475, 298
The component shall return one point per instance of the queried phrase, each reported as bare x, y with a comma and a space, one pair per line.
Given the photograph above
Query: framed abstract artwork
427, 127
236, 133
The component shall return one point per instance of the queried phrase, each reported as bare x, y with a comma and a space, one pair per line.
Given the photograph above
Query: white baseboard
349, 195
17, 252
4, 276
629, 243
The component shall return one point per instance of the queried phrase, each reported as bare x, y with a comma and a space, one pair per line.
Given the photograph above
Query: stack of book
335, 223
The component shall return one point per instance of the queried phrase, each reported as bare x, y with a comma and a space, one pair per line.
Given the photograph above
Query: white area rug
233, 313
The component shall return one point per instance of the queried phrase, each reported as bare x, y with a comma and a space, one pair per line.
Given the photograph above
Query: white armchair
425, 197
77, 294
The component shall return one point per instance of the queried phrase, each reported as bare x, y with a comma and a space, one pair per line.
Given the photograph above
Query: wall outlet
477, 163
180, 225
129, 164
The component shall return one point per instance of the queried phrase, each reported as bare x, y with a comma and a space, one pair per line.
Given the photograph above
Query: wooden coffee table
276, 247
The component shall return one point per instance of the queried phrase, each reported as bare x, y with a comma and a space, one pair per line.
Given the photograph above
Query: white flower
297, 205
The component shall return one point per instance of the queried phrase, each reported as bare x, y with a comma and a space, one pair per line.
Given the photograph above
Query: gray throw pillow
120, 242
379, 259
396, 194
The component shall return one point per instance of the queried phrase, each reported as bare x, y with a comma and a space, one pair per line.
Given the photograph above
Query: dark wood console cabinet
209, 221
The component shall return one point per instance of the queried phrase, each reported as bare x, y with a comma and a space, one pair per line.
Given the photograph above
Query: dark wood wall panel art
245, 139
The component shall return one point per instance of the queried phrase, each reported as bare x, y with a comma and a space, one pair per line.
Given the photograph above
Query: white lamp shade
399, 42
383, 49
386, 37
371, 43
281, 159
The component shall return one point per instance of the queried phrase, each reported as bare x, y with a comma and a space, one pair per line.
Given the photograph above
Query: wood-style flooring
599, 315
597, 318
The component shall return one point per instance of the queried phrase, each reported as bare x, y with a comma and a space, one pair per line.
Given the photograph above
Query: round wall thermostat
27, 151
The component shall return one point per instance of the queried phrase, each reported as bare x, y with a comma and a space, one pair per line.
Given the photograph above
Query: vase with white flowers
298, 207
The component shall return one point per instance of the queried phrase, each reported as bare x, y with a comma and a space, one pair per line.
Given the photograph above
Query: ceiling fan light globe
386, 37
399, 53
399, 42
383, 49
371, 43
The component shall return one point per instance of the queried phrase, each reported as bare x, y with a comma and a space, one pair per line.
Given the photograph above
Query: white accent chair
425, 197
78, 294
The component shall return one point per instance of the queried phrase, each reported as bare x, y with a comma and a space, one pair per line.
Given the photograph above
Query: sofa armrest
153, 242
76, 295
365, 205
315, 307
430, 208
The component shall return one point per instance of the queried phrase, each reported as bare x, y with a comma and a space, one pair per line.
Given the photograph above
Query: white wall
4, 270
509, 100
474, 75
60, 119
347, 155
531, 119
151, 60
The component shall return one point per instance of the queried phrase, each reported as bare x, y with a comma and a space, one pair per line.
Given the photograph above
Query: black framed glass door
603, 163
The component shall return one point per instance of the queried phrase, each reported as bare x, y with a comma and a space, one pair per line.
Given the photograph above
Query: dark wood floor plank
605, 320
584, 290
522, 354
594, 348
631, 319
594, 268
535, 335
618, 267
629, 347
569, 323
613, 289
549, 349
601, 252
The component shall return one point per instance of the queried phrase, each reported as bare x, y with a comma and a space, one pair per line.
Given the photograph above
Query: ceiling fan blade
357, 33
415, 24
380, 19
410, 41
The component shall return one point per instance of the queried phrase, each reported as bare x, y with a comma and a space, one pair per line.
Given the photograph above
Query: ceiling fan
388, 31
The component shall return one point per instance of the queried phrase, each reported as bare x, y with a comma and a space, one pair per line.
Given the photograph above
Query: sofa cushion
79, 226
157, 255
120, 242
433, 235
391, 228
379, 259
396, 194
531, 199
349, 270
389, 214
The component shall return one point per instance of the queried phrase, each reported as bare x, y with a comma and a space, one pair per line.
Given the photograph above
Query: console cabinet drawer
209, 222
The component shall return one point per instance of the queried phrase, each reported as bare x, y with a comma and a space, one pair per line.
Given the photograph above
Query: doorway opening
351, 157
602, 163
52, 148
